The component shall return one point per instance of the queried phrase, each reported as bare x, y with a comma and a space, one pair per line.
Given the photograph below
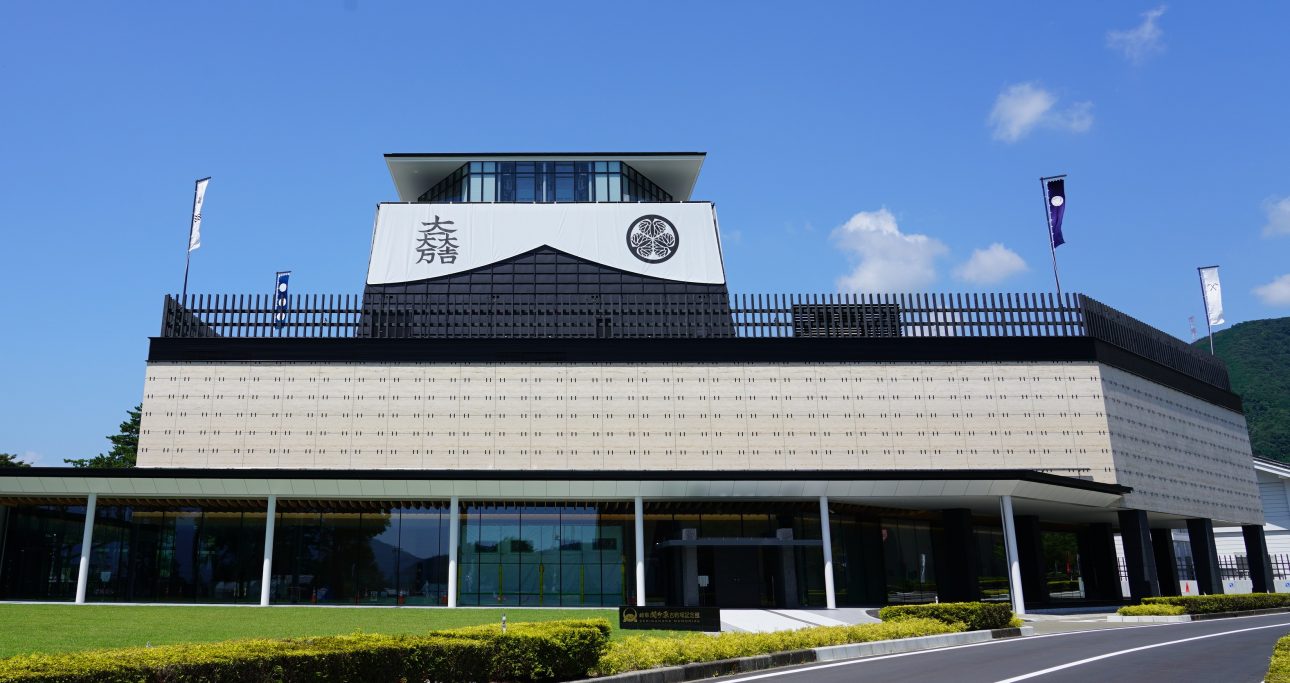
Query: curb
1184, 618
832, 653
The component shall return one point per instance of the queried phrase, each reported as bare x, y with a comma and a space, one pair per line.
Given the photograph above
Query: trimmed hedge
556, 650
1279, 668
1210, 604
1151, 611
975, 616
636, 653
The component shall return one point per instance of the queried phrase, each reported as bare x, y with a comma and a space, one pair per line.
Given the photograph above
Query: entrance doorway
739, 572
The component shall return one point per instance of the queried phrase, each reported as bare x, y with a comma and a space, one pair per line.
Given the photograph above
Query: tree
125, 445
11, 460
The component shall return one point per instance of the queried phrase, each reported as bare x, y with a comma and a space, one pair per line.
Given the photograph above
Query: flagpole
187, 247
1209, 327
1048, 216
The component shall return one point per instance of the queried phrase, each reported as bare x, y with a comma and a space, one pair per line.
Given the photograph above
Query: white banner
672, 241
195, 232
1213, 294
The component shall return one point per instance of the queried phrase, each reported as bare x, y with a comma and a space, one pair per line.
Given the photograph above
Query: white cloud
1141, 41
1275, 293
1022, 107
995, 263
887, 260
1278, 211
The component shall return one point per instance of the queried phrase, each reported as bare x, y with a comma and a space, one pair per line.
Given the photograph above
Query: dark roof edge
1032, 476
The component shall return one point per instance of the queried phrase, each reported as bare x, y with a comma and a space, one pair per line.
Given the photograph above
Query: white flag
195, 233
1213, 294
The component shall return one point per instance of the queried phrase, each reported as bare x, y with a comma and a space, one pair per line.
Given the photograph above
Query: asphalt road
1223, 650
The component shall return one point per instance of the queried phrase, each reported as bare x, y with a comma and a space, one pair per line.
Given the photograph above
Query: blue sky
850, 145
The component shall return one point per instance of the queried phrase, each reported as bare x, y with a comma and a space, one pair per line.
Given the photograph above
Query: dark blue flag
1056, 209
280, 300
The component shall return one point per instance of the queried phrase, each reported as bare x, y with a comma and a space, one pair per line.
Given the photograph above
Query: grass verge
28, 629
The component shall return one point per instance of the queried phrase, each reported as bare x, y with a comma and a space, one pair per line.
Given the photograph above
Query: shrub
636, 653
975, 616
1151, 611
556, 650
1210, 604
547, 651
1279, 669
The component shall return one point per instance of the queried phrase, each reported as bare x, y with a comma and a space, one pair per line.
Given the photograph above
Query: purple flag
1056, 209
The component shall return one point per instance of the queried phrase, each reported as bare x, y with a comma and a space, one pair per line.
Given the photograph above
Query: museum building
546, 395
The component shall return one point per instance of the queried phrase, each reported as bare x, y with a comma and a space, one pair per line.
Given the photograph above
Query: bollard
503, 622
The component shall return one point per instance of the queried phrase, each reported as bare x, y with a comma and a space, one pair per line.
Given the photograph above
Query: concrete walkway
765, 620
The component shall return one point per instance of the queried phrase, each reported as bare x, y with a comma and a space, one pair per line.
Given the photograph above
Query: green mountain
1257, 354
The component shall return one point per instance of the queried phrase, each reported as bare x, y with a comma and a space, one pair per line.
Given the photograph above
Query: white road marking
1002, 641
1051, 669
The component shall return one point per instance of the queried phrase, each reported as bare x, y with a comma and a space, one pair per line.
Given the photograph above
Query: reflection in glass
163, 552
385, 554
42, 550
533, 554
907, 550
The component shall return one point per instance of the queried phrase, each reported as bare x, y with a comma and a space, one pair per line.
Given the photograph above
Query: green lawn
61, 628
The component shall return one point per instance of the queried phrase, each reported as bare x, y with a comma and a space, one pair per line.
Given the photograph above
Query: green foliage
1210, 604
1151, 611
1257, 354
556, 650
975, 616
1279, 670
11, 460
528, 651
125, 445
634, 654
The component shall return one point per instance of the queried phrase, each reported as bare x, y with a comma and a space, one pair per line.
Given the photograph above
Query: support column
640, 552
1030, 555
959, 580
454, 534
1162, 545
1204, 553
87, 539
1139, 559
1097, 561
830, 599
1256, 553
1010, 545
266, 575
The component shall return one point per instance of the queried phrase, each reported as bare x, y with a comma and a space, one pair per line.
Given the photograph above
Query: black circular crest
652, 239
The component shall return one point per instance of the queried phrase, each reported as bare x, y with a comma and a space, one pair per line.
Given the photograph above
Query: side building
546, 395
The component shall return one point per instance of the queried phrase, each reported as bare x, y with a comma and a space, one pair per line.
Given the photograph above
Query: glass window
524, 188
42, 552
556, 554
907, 550
564, 188
544, 181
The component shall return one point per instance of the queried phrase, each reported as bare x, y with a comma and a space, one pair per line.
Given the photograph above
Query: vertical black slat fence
848, 315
